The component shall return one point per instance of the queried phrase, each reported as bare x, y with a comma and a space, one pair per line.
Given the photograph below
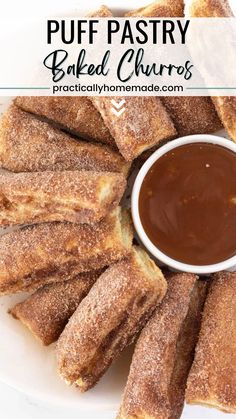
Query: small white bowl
229, 264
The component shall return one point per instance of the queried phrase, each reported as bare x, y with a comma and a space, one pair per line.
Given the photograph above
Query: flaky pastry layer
34, 256
46, 312
212, 379
109, 318
80, 197
154, 372
30, 145
75, 114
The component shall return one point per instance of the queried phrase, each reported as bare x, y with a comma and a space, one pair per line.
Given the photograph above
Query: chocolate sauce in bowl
187, 204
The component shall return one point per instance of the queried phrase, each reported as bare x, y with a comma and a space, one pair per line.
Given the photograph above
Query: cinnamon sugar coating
212, 379
30, 145
47, 311
144, 123
186, 343
109, 318
225, 105
80, 197
75, 114
34, 256
191, 115
226, 108
150, 389
159, 8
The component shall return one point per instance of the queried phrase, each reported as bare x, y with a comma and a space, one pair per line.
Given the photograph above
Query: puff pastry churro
164, 352
191, 115
36, 255
109, 318
130, 130
30, 145
186, 344
47, 311
80, 197
74, 114
144, 123
225, 105
212, 379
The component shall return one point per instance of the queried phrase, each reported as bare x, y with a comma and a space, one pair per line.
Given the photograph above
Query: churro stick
144, 123
47, 311
34, 256
186, 344
226, 108
29, 145
191, 115
225, 105
75, 114
109, 318
149, 391
80, 197
212, 379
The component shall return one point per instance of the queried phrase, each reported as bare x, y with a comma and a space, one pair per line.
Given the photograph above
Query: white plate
24, 363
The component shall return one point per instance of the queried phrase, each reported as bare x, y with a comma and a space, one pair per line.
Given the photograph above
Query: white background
14, 403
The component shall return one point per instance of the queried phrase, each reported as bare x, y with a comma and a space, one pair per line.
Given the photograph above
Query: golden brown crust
225, 105
144, 123
191, 115
30, 145
186, 343
40, 254
109, 318
212, 379
80, 197
147, 390
210, 8
75, 114
226, 108
160, 8
47, 311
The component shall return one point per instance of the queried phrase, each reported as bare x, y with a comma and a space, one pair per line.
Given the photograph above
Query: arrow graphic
116, 106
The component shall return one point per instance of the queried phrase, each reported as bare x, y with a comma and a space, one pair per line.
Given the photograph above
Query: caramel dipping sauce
187, 204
